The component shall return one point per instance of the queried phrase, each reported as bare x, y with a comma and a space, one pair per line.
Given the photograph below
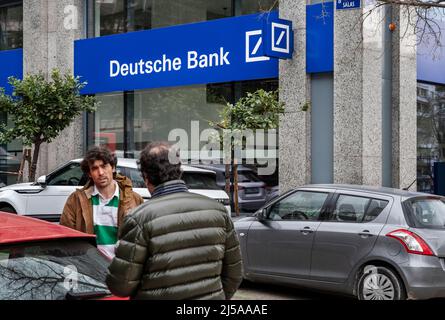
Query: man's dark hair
97, 153
155, 164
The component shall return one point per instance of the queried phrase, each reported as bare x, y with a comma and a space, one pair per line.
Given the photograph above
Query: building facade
351, 114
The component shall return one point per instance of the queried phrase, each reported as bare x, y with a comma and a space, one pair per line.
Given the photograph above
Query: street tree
258, 110
40, 109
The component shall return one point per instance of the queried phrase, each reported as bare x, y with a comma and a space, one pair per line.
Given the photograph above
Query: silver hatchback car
371, 242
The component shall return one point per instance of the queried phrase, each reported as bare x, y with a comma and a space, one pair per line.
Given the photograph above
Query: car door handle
306, 230
365, 234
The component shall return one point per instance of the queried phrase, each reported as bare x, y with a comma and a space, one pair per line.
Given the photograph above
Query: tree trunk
35, 158
25, 158
227, 180
235, 186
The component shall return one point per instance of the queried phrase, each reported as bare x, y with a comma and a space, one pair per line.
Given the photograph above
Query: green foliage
258, 110
40, 109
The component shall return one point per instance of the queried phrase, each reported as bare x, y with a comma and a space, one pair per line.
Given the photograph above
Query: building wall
359, 92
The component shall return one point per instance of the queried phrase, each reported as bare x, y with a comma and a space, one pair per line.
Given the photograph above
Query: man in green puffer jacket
178, 245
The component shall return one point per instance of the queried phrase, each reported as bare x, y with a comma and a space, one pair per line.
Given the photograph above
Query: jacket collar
169, 187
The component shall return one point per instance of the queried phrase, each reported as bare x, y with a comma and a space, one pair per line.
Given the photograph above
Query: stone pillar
404, 106
358, 97
294, 84
48, 44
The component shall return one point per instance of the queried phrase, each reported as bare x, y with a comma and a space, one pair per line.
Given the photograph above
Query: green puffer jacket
177, 246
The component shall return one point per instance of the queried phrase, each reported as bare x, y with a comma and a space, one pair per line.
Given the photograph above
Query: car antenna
407, 188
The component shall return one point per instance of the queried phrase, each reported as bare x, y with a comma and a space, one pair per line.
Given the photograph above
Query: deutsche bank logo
254, 43
280, 38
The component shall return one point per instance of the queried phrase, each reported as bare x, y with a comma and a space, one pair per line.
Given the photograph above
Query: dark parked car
372, 242
251, 190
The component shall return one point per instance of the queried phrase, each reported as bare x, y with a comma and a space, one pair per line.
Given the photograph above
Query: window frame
370, 197
62, 170
288, 194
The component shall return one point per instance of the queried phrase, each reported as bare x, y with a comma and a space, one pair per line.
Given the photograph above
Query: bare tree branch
416, 3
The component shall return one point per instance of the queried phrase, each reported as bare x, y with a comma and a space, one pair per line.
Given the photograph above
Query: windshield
49, 270
427, 212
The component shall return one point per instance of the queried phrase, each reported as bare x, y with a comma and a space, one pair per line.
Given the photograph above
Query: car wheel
379, 283
6, 208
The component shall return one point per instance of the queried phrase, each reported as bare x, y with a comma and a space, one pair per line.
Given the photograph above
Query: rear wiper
70, 295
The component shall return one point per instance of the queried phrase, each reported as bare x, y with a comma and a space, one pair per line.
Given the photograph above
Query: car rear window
426, 212
49, 270
196, 180
247, 176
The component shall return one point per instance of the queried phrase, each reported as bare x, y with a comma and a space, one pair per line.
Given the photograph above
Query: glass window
301, 205
71, 175
427, 213
158, 111
11, 25
39, 271
254, 6
196, 180
374, 209
430, 133
134, 175
120, 16
349, 209
357, 209
10, 158
109, 122
247, 176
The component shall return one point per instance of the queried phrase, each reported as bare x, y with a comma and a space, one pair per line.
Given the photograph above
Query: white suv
46, 198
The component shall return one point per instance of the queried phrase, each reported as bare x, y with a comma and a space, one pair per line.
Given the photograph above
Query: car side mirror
262, 214
42, 181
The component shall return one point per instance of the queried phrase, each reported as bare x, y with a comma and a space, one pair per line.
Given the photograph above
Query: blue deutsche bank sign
348, 4
278, 39
11, 65
222, 50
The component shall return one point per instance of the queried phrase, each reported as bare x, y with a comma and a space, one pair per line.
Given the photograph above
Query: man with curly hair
101, 205
177, 245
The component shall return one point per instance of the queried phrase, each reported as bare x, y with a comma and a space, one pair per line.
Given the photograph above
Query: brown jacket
78, 211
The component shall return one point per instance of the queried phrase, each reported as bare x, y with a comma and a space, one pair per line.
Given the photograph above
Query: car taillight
412, 242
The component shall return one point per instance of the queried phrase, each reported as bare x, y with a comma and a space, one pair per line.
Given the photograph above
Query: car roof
132, 163
16, 229
370, 189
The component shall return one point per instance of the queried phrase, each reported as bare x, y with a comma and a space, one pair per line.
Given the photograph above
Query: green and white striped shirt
105, 221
